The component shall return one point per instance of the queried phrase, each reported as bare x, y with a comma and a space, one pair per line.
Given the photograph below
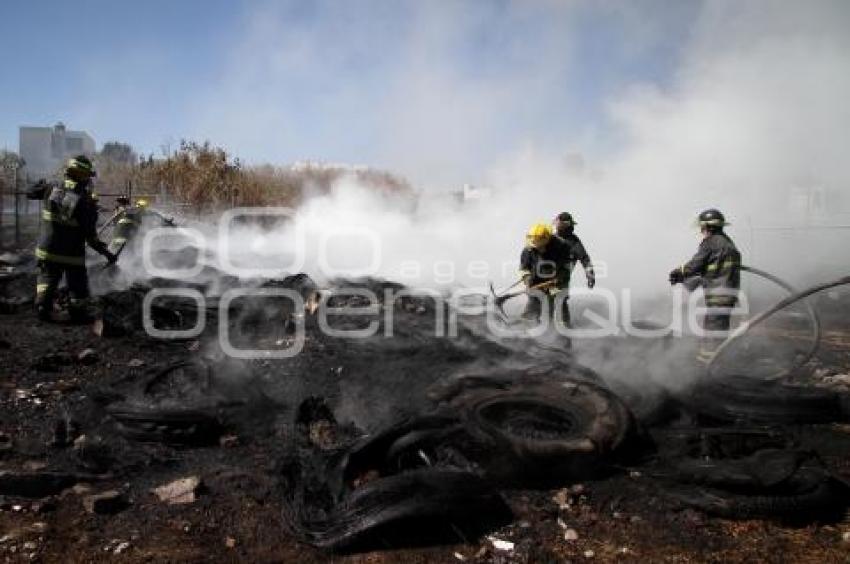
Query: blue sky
410, 86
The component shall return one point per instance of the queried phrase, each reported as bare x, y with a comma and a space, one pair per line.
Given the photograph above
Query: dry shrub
206, 179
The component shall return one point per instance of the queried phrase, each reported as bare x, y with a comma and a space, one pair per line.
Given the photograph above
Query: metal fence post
17, 215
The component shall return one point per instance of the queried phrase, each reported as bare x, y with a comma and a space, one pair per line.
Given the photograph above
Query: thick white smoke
755, 123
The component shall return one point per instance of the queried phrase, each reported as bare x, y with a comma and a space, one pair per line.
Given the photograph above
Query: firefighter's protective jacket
548, 264
577, 253
68, 222
130, 220
717, 264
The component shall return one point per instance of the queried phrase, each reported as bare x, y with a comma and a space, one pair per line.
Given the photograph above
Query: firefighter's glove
677, 276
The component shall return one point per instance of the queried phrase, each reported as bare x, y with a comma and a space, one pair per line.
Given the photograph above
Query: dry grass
208, 179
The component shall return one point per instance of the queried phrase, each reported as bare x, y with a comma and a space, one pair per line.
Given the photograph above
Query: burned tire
442, 469
764, 469
740, 398
731, 476
720, 443
391, 450
172, 426
420, 506
544, 432
401, 486
813, 495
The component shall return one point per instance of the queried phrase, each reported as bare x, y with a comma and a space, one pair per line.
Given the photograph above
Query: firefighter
542, 262
564, 225
121, 203
128, 220
69, 221
716, 267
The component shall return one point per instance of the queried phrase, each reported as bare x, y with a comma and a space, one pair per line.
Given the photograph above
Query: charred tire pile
740, 398
784, 484
121, 312
485, 432
186, 403
149, 414
540, 431
398, 482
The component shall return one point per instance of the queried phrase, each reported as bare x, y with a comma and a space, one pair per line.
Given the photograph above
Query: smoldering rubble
410, 440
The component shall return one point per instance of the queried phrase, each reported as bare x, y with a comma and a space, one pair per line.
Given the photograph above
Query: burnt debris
405, 440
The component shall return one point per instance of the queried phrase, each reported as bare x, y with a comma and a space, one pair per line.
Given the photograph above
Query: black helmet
80, 168
565, 217
712, 218
564, 223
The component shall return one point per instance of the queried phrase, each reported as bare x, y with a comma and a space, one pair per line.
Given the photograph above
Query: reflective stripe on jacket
548, 264
717, 263
68, 221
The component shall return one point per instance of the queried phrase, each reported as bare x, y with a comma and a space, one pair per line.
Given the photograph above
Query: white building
44, 149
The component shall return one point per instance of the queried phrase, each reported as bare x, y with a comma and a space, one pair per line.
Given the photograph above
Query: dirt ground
237, 513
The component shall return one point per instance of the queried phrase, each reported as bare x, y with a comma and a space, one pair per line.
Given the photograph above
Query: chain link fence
18, 215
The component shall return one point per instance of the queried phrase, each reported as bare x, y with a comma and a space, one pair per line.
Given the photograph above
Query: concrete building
44, 149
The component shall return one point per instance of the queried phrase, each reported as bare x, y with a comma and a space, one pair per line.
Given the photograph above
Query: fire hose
795, 296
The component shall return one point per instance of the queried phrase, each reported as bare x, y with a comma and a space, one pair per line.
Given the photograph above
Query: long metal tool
117, 254
499, 300
514, 285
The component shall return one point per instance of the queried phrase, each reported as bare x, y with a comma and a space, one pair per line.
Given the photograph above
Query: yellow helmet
142, 203
538, 235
